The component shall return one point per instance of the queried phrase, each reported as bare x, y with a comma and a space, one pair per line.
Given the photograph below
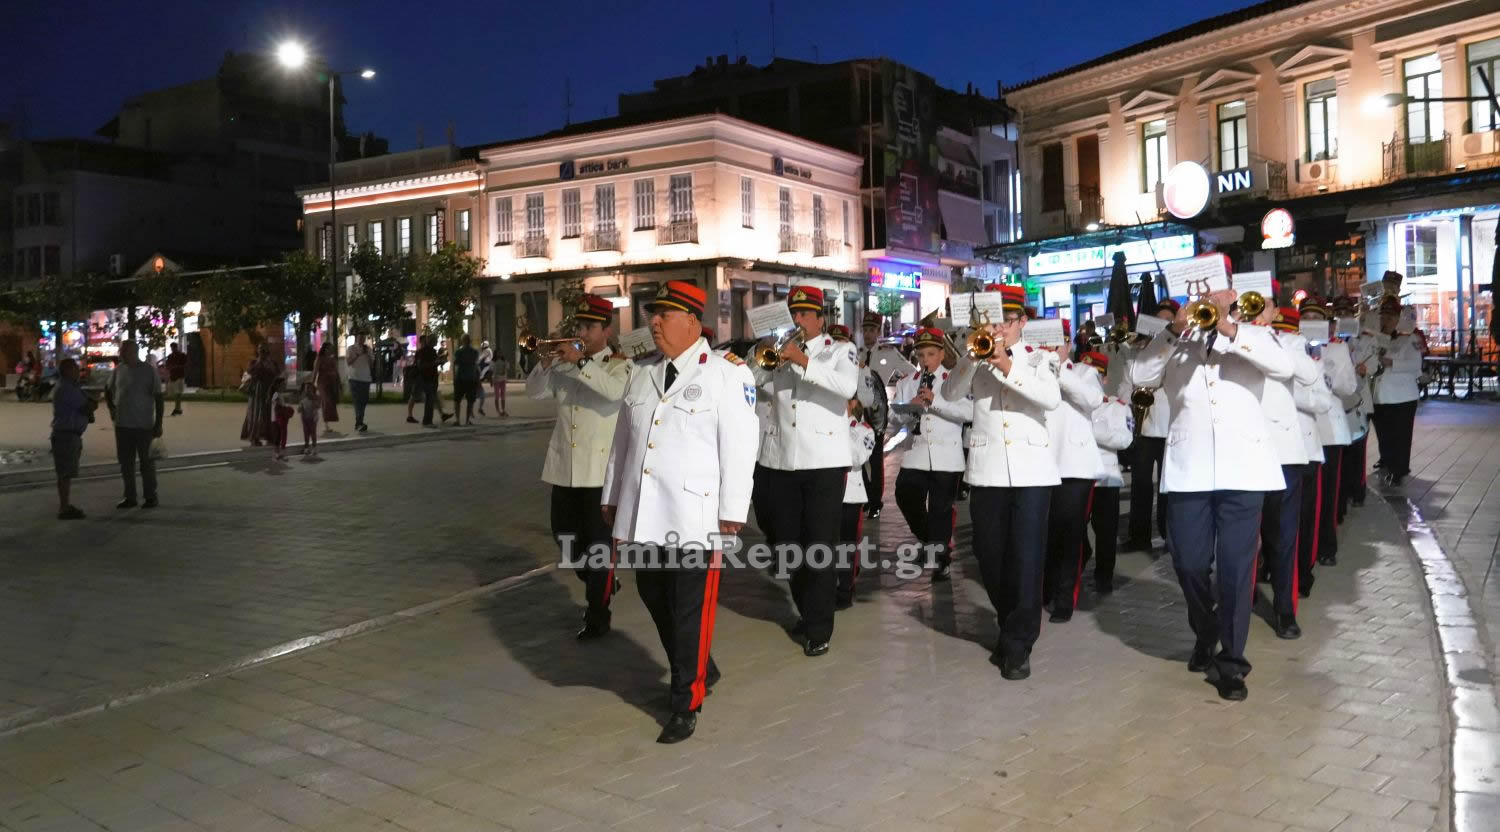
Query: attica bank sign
1137, 252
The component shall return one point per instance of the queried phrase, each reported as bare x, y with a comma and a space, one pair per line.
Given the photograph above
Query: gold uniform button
647, 471
1005, 424
575, 444
1007, 441
574, 427
657, 422
1213, 401
650, 444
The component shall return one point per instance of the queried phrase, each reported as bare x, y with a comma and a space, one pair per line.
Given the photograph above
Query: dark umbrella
1118, 303
1148, 297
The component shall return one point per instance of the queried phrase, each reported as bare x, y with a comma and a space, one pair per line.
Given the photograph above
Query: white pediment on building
1225, 82
1313, 57
1148, 101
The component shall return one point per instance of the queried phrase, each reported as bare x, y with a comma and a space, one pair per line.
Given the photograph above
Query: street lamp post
292, 55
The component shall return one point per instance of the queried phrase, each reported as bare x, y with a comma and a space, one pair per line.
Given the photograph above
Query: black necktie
1209, 343
671, 374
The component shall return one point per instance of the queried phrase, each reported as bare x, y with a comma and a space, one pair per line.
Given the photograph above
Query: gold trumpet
531, 343
1118, 334
769, 357
1141, 399
980, 344
1203, 313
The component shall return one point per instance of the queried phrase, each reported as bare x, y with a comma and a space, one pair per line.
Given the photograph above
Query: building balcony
681, 231
788, 242
602, 240
1401, 157
824, 246
531, 247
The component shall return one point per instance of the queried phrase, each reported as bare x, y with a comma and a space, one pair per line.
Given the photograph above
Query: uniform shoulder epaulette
1029, 349
733, 359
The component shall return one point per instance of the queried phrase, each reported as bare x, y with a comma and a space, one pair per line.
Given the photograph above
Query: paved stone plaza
484, 713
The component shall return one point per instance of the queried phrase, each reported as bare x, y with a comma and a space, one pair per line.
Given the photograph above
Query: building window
536, 216
18, 218
403, 236
747, 202
820, 227
52, 261
375, 231
1484, 55
33, 209
784, 210
1234, 136
604, 208
645, 204
434, 234
1052, 177
1421, 242
325, 240
1424, 79
50, 209
846, 222
1153, 154
1322, 120
350, 242
572, 213
681, 196
463, 229
503, 226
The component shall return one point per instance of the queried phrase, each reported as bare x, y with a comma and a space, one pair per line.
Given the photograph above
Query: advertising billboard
911, 179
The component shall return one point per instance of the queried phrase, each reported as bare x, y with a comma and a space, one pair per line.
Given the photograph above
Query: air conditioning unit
1321, 172
1481, 144
117, 265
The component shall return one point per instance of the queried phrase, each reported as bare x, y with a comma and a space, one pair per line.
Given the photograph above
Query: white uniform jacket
1307, 387
1278, 401
1071, 425
861, 445
1357, 408
809, 408
588, 401
939, 446
1398, 384
1008, 443
1339, 378
1113, 432
1217, 439
1160, 414
683, 459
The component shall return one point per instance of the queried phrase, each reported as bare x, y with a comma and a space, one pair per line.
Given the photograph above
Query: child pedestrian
852, 519
281, 413
309, 406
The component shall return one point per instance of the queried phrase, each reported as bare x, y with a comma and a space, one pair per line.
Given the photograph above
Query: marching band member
1011, 471
1395, 389
1280, 509
1070, 428
1358, 408
1114, 429
1147, 454
1333, 432
680, 474
803, 458
1219, 463
877, 412
852, 518
587, 384
934, 459
1313, 400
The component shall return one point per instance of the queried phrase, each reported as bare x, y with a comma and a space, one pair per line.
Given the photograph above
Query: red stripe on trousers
706, 630
1338, 488
953, 530
1317, 519
859, 532
609, 580
1088, 509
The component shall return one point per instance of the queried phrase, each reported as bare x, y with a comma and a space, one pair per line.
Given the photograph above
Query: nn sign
1234, 181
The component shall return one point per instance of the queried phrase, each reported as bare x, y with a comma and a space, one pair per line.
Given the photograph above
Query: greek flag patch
750, 394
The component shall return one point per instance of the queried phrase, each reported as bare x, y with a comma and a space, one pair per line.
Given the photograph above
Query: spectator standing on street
498, 373
486, 372
72, 410
135, 406
262, 374
308, 407
465, 379
282, 412
361, 364
176, 364
427, 372
329, 386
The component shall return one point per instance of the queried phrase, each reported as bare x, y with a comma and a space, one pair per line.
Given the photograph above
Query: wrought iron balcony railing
531, 247
1402, 157
680, 231
605, 239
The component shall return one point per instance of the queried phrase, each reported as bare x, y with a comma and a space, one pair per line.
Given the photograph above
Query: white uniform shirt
1114, 429
1160, 413
683, 459
939, 445
1358, 407
1071, 425
1008, 444
1278, 401
809, 408
861, 445
1307, 382
1339, 378
1398, 384
588, 401
1217, 439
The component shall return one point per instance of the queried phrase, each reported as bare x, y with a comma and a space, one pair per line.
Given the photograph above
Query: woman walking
329, 386
260, 387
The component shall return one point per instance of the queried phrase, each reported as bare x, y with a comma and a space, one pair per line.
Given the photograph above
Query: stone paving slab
488, 715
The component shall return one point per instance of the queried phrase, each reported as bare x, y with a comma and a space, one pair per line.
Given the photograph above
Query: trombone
769, 357
1203, 313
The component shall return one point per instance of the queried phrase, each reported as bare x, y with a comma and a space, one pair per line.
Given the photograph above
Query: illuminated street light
367, 74
291, 55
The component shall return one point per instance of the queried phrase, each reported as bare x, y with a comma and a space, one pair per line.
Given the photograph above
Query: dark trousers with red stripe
1211, 535
1328, 500
1010, 545
1279, 515
851, 528
576, 513
1308, 520
682, 604
1066, 528
1352, 475
1145, 462
802, 508
874, 474
1105, 520
926, 501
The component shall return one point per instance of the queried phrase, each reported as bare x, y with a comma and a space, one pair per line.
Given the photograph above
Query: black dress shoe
815, 648
1357, 503
1304, 588
799, 629
1396, 480
150, 503
1286, 627
1132, 545
1104, 586
678, 728
711, 679
873, 514
1232, 688
126, 504
593, 631
1060, 616
843, 603
1328, 560
941, 574
1015, 671
1202, 658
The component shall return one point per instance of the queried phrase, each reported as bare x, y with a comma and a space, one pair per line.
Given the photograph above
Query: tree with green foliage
56, 298
379, 299
449, 279
162, 296
298, 284
232, 304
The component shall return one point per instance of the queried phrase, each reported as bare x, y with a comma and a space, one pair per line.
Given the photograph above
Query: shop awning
1436, 203
962, 218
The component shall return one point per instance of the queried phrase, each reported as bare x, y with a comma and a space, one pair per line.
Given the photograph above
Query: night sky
500, 73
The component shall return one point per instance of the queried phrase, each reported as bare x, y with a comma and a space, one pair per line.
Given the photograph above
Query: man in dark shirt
176, 363
465, 378
72, 410
427, 370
